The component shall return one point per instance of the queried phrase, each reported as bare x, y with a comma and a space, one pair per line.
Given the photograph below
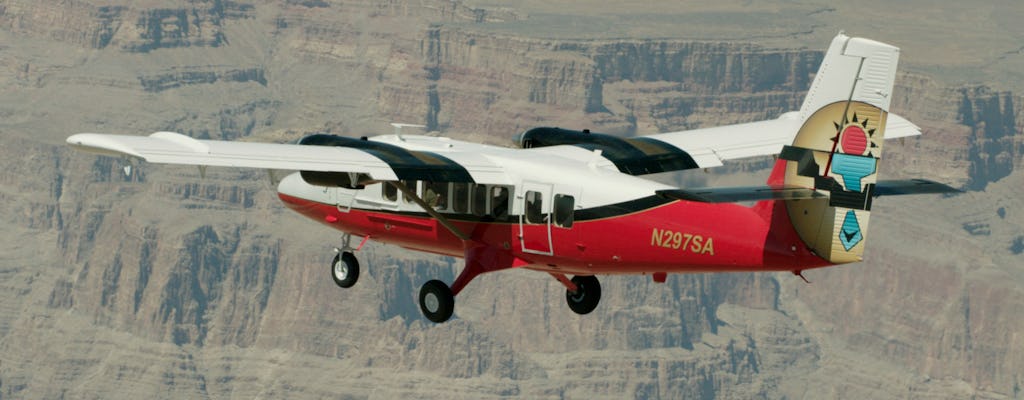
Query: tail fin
837, 149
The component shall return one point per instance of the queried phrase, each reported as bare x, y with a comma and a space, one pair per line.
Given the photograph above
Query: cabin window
389, 192
460, 197
435, 194
479, 200
411, 185
499, 201
564, 206
534, 207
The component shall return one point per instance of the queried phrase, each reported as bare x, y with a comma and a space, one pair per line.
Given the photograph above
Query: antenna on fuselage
399, 126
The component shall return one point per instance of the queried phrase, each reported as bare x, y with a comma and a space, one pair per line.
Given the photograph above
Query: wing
321, 153
763, 138
699, 148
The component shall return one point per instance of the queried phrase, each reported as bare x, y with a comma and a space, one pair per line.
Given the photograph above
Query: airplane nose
292, 185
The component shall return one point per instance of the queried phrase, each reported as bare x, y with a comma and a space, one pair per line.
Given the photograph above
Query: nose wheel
345, 269
586, 296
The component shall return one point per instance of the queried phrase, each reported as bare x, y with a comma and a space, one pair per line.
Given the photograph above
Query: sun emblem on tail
852, 157
855, 137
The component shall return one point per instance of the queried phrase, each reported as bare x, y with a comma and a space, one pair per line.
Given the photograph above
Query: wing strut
430, 210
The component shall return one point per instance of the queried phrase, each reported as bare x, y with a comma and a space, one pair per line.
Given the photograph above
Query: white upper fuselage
569, 170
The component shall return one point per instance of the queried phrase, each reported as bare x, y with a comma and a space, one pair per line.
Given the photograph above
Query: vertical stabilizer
839, 145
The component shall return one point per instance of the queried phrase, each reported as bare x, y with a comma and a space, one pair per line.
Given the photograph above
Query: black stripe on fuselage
633, 156
588, 214
408, 165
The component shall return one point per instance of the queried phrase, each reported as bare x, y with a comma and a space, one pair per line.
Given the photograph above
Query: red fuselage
658, 237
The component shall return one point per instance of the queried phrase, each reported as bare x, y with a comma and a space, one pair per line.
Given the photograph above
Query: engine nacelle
546, 136
634, 156
347, 180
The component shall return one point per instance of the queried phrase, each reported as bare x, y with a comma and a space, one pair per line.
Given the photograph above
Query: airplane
574, 203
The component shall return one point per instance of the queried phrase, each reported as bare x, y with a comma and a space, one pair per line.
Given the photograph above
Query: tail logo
850, 235
836, 151
853, 160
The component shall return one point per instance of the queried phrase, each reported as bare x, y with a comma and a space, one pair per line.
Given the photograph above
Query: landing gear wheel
436, 301
345, 269
585, 299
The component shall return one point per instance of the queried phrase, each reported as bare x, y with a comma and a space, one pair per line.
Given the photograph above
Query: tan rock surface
165, 285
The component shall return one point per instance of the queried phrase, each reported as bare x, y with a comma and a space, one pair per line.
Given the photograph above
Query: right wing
698, 148
762, 138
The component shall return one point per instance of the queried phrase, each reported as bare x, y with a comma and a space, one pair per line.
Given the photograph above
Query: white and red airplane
572, 203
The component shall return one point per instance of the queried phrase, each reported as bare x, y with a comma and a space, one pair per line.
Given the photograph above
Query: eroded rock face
162, 283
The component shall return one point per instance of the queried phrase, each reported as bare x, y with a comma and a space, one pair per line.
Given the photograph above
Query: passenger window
499, 202
460, 197
479, 201
534, 207
389, 191
435, 194
411, 185
564, 206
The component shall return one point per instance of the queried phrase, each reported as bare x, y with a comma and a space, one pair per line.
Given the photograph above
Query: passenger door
535, 221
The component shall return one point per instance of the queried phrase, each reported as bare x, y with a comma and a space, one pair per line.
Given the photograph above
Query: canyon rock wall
160, 283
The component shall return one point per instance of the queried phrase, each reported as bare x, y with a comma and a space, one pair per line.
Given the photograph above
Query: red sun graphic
854, 140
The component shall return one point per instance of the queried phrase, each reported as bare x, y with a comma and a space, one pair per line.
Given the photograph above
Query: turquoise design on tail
850, 234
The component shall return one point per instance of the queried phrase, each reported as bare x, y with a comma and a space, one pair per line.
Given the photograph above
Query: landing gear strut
584, 299
345, 269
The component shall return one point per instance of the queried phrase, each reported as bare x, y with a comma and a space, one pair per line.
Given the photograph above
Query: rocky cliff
160, 283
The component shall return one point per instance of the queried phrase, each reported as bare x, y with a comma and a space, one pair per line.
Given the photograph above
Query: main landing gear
582, 292
584, 299
437, 299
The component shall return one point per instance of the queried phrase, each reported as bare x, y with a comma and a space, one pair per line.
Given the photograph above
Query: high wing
384, 158
698, 148
369, 160
761, 138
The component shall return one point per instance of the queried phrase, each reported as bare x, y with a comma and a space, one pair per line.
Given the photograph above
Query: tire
584, 300
345, 269
436, 301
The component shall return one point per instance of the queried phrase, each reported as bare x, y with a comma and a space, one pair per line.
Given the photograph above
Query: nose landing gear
345, 269
345, 266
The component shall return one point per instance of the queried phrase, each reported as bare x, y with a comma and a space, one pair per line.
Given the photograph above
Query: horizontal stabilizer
741, 193
783, 192
911, 186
